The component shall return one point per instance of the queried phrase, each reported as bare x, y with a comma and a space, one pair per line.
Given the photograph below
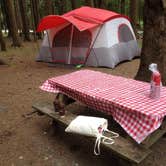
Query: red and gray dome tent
89, 36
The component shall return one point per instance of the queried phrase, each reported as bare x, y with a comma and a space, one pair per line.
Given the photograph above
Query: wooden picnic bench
124, 147
124, 102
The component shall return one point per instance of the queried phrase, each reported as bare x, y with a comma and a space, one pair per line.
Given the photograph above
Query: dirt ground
32, 141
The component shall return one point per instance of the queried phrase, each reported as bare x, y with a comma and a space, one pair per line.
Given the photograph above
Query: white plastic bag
94, 127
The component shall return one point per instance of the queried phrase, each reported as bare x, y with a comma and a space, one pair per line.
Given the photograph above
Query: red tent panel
80, 24
50, 21
99, 15
82, 18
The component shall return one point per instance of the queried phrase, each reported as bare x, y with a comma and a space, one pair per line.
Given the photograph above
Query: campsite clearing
32, 140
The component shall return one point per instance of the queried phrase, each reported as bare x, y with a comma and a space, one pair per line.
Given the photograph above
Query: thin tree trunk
6, 17
101, 4
2, 41
18, 14
61, 5
25, 20
134, 14
89, 3
95, 3
119, 5
140, 12
73, 4
122, 6
12, 20
154, 40
36, 17
33, 21
48, 5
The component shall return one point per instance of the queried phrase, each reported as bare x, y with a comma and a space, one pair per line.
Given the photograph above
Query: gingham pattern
127, 100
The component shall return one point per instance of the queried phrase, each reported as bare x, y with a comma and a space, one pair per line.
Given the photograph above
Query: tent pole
90, 48
70, 45
95, 57
49, 44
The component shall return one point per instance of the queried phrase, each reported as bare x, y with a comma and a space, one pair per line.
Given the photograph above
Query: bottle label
155, 85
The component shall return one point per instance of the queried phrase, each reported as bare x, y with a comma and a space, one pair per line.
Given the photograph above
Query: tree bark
61, 5
89, 3
35, 16
2, 41
73, 4
154, 40
12, 20
95, 3
122, 6
18, 14
6, 17
25, 20
134, 14
48, 5
101, 4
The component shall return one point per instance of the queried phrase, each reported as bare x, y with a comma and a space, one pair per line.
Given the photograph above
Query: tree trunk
25, 20
48, 5
89, 3
154, 40
2, 41
61, 5
33, 21
134, 14
6, 17
35, 16
95, 2
73, 4
140, 12
18, 14
12, 20
101, 4
122, 6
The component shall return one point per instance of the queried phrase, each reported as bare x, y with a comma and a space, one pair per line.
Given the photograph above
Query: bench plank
122, 147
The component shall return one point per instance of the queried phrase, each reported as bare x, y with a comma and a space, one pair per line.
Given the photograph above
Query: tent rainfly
88, 36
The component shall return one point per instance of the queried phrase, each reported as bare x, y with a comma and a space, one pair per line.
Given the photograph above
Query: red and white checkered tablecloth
127, 100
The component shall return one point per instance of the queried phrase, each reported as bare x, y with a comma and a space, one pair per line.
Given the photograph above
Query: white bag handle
115, 135
106, 140
97, 145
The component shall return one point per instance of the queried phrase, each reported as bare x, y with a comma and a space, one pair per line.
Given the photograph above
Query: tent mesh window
61, 45
124, 33
80, 44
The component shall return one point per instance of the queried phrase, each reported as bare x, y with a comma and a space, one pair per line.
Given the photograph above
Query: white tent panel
101, 40
112, 26
94, 32
45, 41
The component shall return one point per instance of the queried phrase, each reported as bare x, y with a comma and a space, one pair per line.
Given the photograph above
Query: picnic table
124, 99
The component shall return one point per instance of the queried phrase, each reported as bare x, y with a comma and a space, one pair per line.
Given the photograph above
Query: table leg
62, 110
56, 104
60, 102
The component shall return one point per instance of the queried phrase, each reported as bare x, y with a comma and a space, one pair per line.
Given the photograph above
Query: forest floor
31, 141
